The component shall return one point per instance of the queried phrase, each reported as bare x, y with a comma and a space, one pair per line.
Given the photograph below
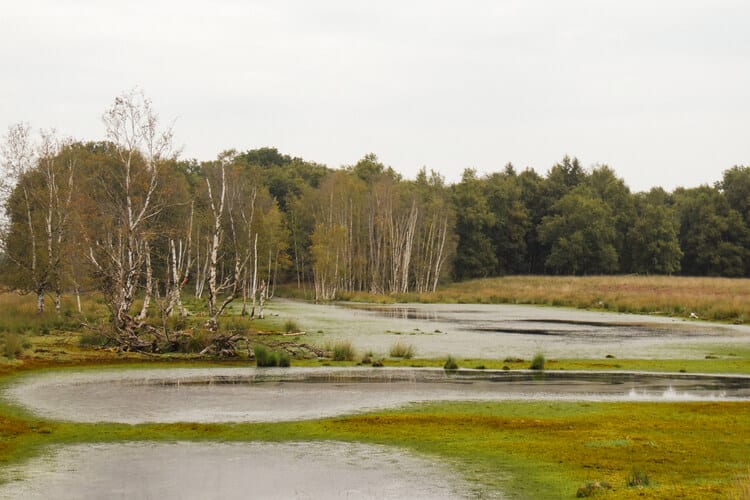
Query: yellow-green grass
527, 450
733, 366
713, 299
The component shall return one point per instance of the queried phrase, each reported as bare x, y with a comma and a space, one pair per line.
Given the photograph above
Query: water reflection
254, 395
233, 471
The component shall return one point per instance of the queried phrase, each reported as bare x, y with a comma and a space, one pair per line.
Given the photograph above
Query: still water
263, 395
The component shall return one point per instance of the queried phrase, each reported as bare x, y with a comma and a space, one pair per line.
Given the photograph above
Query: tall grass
742, 487
713, 299
402, 350
13, 345
265, 357
343, 351
19, 314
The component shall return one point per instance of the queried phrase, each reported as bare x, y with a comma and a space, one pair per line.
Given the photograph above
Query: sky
659, 90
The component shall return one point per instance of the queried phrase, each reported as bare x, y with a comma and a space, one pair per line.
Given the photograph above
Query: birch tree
38, 186
128, 202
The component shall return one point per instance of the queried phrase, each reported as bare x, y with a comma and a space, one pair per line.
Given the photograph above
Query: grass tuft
592, 489
13, 346
401, 350
742, 487
343, 351
291, 326
450, 364
266, 358
538, 362
637, 479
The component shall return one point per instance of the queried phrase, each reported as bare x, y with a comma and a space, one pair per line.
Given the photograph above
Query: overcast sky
658, 90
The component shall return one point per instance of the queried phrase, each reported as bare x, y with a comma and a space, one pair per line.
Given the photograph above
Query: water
232, 471
499, 331
261, 395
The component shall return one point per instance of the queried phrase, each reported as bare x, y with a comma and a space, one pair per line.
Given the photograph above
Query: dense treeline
126, 216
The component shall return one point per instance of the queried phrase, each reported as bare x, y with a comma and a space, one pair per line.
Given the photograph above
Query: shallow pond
228, 471
254, 395
499, 331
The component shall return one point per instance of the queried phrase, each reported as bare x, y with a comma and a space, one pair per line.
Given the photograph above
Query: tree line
128, 217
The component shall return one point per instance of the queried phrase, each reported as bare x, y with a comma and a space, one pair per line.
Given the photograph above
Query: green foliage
343, 351
93, 339
475, 255
713, 236
264, 357
581, 235
538, 362
450, 364
195, 341
402, 350
653, 241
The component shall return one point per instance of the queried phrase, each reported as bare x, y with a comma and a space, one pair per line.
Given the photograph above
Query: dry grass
715, 299
742, 487
401, 350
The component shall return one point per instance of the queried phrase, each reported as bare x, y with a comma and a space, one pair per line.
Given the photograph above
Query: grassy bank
526, 450
712, 299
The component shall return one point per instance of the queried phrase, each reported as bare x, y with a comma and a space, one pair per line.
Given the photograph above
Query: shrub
450, 364
343, 351
284, 361
538, 362
402, 350
265, 357
13, 346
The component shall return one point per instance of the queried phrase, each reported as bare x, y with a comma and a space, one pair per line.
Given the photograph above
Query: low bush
450, 364
265, 357
343, 351
284, 361
538, 362
402, 350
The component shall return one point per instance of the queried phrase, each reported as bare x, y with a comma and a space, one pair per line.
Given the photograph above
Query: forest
129, 218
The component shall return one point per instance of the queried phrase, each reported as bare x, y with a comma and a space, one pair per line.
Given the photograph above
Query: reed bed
713, 299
